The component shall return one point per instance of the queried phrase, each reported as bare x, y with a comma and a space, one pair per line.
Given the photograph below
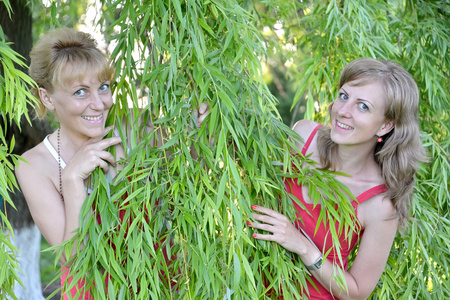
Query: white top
53, 152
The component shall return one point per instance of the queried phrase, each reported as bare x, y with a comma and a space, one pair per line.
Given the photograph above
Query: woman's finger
265, 237
201, 113
268, 211
200, 120
265, 227
203, 108
112, 141
108, 157
105, 143
103, 165
264, 218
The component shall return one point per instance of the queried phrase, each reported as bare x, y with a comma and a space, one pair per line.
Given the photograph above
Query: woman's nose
96, 102
344, 109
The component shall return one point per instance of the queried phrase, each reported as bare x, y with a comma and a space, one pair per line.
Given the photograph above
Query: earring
380, 140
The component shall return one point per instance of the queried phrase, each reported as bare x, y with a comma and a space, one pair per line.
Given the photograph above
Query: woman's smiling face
358, 114
82, 105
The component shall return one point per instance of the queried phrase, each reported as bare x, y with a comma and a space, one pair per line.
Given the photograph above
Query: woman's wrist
69, 178
310, 254
318, 263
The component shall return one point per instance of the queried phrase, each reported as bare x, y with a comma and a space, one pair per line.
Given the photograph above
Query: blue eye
363, 106
104, 87
80, 92
343, 96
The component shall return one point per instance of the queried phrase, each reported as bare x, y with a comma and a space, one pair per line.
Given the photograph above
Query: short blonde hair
64, 47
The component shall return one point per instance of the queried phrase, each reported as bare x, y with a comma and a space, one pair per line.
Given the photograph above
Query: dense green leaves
172, 55
180, 54
183, 233
14, 97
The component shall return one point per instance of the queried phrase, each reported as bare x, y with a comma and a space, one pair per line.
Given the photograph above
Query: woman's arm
39, 181
380, 230
42, 196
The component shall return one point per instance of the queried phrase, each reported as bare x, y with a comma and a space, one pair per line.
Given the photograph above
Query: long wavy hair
401, 150
65, 48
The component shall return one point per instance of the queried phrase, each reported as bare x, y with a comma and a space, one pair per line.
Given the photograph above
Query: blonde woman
74, 79
373, 136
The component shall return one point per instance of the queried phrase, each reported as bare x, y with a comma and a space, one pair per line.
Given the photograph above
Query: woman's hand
282, 229
91, 155
201, 113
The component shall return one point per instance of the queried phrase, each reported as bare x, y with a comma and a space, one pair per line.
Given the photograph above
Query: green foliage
14, 97
14, 85
170, 56
56, 13
8, 258
415, 34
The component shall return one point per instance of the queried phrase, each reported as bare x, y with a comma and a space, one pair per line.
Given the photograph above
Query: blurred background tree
307, 43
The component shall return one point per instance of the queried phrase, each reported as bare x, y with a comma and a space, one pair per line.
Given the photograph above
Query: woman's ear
46, 99
386, 127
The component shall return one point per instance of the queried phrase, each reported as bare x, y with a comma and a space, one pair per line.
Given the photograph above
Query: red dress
79, 287
321, 238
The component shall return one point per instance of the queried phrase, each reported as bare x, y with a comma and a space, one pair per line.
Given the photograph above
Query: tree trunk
17, 29
27, 239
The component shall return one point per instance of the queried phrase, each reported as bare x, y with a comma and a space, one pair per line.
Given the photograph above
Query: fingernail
254, 206
254, 235
249, 223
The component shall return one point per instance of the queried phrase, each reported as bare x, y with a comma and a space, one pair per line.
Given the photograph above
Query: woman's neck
357, 161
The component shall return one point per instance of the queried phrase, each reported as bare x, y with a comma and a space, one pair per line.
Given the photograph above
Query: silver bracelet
317, 264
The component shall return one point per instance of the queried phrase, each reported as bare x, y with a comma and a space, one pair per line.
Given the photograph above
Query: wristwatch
317, 264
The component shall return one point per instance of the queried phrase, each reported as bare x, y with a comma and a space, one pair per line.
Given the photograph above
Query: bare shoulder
377, 210
36, 171
30, 159
34, 159
304, 128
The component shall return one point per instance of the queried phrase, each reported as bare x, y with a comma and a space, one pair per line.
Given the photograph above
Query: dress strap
311, 137
371, 192
53, 152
